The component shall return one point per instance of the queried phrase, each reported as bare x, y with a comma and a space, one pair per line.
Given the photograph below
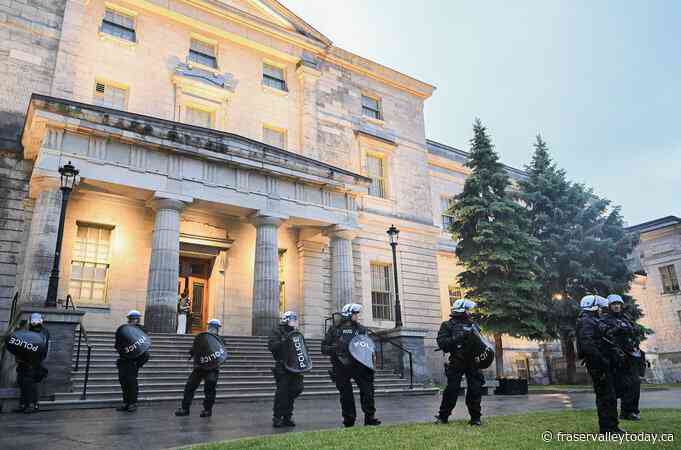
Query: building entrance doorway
194, 279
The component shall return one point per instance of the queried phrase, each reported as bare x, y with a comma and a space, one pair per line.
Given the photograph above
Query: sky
600, 80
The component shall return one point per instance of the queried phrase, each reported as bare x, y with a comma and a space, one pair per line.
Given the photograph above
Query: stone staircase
245, 376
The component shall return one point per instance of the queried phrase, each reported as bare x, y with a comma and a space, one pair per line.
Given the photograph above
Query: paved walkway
156, 427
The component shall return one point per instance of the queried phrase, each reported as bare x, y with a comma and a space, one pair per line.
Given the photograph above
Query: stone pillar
314, 269
342, 270
42, 240
265, 274
160, 313
308, 73
411, 339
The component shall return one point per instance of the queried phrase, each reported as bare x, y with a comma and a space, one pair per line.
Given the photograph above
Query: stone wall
29, 39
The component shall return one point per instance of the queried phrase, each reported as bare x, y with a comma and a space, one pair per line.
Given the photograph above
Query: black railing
381, 340
12, 311
82, 335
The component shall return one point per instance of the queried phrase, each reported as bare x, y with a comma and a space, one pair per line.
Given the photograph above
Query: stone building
657, 262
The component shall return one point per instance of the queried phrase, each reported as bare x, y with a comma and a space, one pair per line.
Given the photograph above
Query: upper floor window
203, 53
90, 263
670, 282
273, 76
376, 171
455, 293
274, 137
371, 107
381, 291
118, 24
110, 96
198, 117
446, 204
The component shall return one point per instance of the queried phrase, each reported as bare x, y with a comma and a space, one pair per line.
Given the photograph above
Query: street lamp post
393, 234
68, 175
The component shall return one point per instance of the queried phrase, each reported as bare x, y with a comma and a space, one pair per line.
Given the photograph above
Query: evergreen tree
498, 255
583, 248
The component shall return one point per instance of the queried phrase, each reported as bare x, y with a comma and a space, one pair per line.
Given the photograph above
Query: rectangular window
381, 291
198, 117
110, 96
118, 24
454, 294
446, 204
276, 138
282, 280
203, 53
376, 172
273, 77
670, 283
90, 264
371, 107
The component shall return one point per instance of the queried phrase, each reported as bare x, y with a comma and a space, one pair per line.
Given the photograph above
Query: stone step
181, 358
184, 371
170, 353
112, 384
249, 397
253, 376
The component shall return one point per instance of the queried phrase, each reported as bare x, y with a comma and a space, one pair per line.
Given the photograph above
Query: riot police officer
128, 368
289, 384
346, 368
592, 349
31, 372
209, 375
451, 338
626, 362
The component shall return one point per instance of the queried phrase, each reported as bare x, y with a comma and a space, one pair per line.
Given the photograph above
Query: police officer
451, 339
128, 368
208, 376
30, 373
621, 330
592, 349
289, 384
335, 344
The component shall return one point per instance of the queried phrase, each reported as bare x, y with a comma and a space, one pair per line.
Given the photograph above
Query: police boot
19, 409
441, 420
348, 422
182, 412
475, 422
288, 421
371, 421
32, 408
132, 407
630, 416
206, 413
122, 408
277, 422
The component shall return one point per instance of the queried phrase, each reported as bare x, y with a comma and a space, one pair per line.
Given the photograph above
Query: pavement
155, 427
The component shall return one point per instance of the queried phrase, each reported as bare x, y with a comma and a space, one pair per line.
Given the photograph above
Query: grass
522, 431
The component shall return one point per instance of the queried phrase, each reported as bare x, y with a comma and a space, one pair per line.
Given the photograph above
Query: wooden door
198, 293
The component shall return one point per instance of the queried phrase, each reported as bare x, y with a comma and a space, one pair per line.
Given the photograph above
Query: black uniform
128, 370
451, 338
626, 366
30, 374
289, 384
592, 349
335, 344
210, 381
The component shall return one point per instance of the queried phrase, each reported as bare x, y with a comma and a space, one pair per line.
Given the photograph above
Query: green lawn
504, 432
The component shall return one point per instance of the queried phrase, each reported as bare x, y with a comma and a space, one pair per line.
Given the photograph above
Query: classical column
41, 241
161, 308
265, 274
342, 266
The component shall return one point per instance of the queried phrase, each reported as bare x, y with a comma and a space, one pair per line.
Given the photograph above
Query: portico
162, 190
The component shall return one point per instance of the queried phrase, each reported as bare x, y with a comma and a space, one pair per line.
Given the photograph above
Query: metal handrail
82, 332
381, 340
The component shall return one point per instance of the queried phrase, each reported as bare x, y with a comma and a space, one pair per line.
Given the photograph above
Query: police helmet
350, 309
592, 302
463, 305
614, 298
36, 319
214, 323
134, 314
288, 316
